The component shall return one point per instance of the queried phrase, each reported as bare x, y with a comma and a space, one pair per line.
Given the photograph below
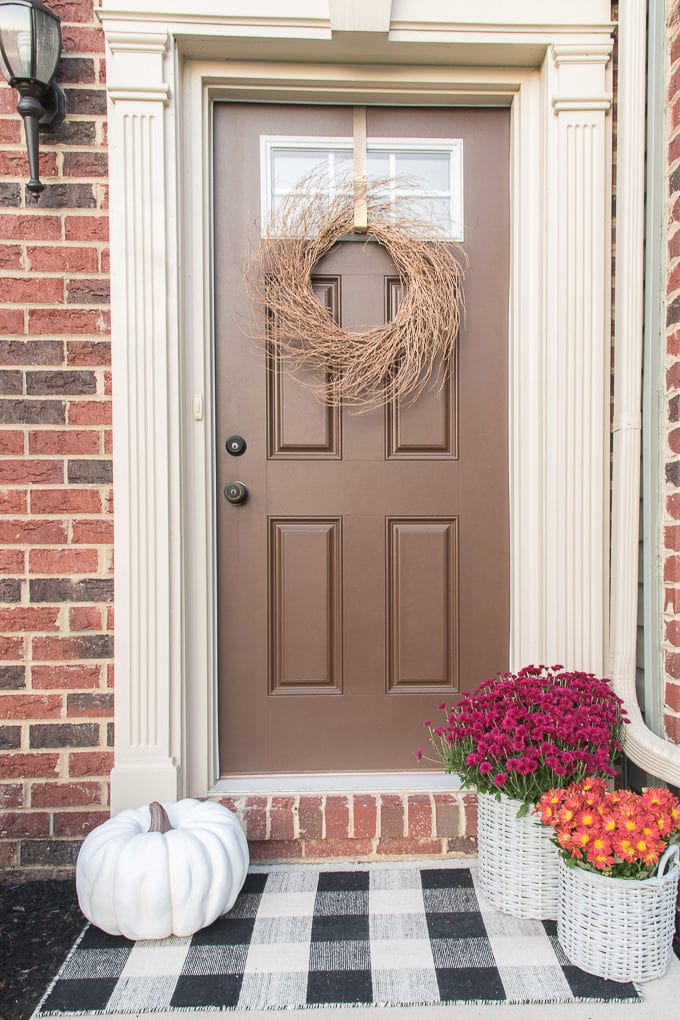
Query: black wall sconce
30, 47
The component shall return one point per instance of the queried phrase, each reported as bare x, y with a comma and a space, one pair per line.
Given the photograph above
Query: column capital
136, 65
570, 53
136, 42
581, 78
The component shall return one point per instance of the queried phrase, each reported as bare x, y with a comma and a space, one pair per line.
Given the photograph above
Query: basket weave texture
619, 928
517, 861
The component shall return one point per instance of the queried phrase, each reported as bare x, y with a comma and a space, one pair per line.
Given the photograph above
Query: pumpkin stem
159, 818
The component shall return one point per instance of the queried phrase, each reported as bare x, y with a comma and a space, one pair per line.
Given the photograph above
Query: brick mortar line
48, 212
68, 274
17, 150
28, 573
28, 337
58, 179
57, 457
41, 242
44, 575
77, 518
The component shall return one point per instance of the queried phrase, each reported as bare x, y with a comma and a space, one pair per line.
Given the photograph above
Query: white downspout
658, 756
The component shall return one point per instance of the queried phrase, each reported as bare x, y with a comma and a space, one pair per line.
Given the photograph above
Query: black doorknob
236, 445
236, 493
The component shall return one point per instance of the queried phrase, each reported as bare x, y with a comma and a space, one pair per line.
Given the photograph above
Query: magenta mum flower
526, 732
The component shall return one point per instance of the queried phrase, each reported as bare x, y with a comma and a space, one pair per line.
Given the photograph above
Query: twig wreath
381, 364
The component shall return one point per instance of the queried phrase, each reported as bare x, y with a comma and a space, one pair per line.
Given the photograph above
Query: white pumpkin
162, 870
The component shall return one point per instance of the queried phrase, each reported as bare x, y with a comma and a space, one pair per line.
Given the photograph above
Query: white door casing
165, 67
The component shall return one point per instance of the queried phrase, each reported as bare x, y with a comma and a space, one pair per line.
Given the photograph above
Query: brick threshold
357, 826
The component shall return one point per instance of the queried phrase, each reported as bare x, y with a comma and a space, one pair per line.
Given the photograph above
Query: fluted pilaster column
577, 357
146, 420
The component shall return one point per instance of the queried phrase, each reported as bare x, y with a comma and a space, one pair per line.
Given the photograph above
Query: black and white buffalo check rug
305, 936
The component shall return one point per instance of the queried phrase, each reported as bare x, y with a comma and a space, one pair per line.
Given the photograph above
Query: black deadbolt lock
236, 445
236, 493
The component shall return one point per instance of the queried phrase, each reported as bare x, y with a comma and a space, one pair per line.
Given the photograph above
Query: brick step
361, 826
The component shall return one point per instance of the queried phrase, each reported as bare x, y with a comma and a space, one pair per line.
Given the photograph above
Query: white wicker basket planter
619, 928
518, 863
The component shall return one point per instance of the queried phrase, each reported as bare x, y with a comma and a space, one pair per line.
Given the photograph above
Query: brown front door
366, 578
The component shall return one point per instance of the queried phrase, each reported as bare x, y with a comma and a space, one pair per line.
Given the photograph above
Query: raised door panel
300, 427
305, 606
422, 605
427, 428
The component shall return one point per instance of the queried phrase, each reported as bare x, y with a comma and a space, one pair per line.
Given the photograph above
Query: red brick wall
671, 550
363, 826
56, 528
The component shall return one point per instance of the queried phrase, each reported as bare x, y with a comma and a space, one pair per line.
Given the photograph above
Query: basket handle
672, 853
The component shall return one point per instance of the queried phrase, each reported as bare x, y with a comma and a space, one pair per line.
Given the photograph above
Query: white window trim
452, 147
166, 62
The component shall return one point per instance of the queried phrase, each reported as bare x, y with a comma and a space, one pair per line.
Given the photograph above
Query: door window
424, 176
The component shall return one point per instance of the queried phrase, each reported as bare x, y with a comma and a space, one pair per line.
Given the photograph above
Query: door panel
367, 576
422, 573
305, 604
300, 426
428, 427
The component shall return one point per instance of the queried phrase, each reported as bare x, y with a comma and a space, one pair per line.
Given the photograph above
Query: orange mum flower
664, 824
548, 814
613, 832
566, 815
600, 859
624, 848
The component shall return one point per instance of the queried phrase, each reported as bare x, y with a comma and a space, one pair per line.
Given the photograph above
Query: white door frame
556, 79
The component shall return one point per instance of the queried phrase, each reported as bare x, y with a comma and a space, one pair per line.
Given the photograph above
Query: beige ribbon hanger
360, 145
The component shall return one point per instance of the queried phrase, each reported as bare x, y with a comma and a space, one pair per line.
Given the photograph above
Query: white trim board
559, 324
338, 782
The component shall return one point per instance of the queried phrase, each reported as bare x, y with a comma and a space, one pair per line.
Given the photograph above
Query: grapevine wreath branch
378, 365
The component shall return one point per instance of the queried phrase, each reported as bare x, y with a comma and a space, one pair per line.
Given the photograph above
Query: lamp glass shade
16, 41
47, 44
30, 41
